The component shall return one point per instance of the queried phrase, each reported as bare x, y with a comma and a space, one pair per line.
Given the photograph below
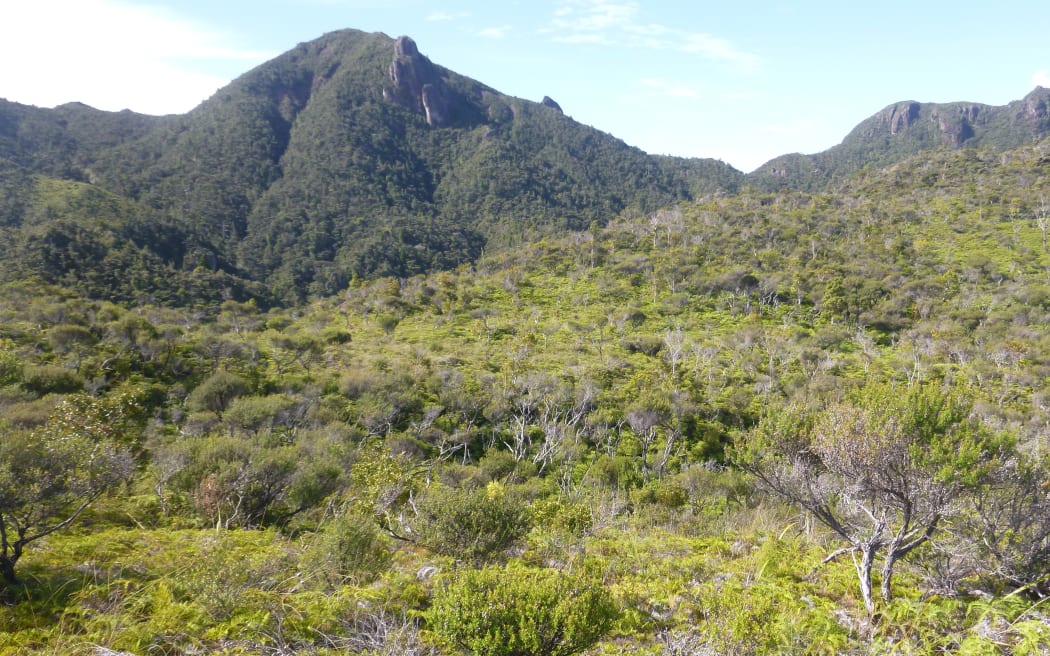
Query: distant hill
355, 155
907, 128
350, 155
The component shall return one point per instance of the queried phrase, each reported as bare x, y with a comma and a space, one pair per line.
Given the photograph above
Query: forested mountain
908, 128
349, 155
355, 155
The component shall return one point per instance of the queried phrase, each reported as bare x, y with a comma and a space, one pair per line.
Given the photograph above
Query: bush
351, 548
10, 369
216, 392
470, 524
260, 413
561, 515
521, 611
661, 493
51, 379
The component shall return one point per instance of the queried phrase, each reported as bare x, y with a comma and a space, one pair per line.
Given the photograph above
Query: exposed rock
955, 127
902, 115
1035, 106
549, 102
436, 105
417, 84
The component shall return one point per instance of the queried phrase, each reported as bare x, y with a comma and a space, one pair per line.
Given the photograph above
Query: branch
835, 554
65, 522
908, 548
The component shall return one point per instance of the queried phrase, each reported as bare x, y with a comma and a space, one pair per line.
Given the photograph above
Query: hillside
349, 155
353, 156
907, 128
375, 471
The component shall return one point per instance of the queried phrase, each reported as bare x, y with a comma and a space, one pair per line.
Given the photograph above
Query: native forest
362, 356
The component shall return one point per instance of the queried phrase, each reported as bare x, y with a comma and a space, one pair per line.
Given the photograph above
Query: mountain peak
1036, 105
417, 84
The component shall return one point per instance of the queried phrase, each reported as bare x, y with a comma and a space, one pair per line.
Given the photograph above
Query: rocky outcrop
902, 115
436, 105
956, 123
549, 102
1036, 105
417, 84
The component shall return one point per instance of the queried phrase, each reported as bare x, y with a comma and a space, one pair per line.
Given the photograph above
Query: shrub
350, 548
470, 524
561, 515
216, 392
521, 611
10, 369
51, 379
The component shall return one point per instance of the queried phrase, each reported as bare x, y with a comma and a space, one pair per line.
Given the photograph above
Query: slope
349, 155
908, 128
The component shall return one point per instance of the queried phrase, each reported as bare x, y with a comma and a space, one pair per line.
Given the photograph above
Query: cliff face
417, 84
906, 128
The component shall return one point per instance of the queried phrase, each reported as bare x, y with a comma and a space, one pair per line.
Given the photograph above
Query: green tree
49, 477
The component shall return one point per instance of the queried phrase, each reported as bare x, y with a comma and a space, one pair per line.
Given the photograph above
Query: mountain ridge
354, 155
906, 128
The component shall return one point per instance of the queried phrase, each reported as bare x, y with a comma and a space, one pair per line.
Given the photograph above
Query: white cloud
608, 22
1041, 78
495, 32
714, 47
594, 15
112, 56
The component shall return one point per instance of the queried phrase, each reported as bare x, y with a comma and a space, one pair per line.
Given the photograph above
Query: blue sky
742, 81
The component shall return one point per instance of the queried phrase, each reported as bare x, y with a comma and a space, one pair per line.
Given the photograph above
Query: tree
1007, 527
882, 470
49, 477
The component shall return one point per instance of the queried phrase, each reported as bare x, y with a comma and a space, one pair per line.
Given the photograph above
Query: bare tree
882, 471
1007, 526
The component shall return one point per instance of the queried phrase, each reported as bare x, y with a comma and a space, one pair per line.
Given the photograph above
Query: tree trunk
7, 570
867, 560
887, 573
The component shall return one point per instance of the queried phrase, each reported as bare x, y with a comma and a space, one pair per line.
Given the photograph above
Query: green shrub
662, 493
558, 514
521, 611
351, 548
259, 413
10, 369
51, 379
470, 525
217, 392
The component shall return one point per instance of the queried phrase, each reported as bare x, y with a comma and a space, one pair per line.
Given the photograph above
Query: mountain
354, 155
907, 128
349, 155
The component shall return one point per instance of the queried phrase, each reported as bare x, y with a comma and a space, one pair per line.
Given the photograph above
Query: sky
742, 81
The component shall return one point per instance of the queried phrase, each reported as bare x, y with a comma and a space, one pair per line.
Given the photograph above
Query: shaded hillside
349, 155
907, 128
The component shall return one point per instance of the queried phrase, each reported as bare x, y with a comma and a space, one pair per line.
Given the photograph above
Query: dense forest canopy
341, 362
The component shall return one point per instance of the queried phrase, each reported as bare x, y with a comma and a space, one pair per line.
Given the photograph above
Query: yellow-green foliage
521, 611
